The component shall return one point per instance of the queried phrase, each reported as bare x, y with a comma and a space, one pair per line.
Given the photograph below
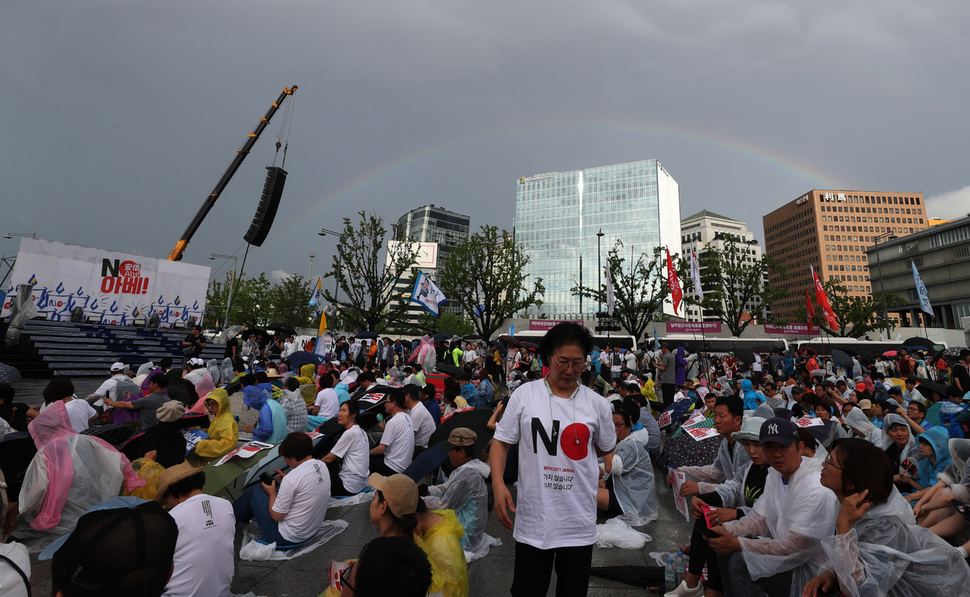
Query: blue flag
426, 294
924, 298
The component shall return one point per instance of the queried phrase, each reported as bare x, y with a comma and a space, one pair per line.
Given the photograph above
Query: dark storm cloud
121, 116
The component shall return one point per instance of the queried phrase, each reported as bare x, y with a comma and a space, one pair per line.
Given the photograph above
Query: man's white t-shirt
631, 361
303, 496
203, 553
470, 355
558, 470
423, 424
329, 403
354, 448
399, 439
80, 413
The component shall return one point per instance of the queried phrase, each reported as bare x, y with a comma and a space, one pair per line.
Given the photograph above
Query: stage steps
49, 348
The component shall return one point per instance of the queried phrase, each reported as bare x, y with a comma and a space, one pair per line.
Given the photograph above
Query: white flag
610, 298
426, 294
316, 298
695, 274
924, 298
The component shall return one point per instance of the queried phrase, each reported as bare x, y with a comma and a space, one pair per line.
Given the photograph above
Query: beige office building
831, 231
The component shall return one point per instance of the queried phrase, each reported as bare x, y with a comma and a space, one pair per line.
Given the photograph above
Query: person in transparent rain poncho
877, 550
776, 548
935, 510
629, 492
860, 426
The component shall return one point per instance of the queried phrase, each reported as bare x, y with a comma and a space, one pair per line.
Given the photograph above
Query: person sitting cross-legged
296, 511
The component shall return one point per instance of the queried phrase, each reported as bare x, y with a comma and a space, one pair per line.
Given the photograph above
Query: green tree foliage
289, 302
250, 300
486, 277
732, 278
447, 323
856, 315
639, 288
366, 272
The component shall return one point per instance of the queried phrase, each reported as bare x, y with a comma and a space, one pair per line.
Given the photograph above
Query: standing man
667, 369
560, 427
961, 376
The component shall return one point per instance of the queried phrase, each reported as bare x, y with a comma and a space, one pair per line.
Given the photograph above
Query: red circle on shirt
568, 441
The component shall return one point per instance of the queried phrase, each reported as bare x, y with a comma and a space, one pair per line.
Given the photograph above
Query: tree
289, 302
250, 300
366, 272
447, 323
639, 288
856, 315
732, 280
486, 276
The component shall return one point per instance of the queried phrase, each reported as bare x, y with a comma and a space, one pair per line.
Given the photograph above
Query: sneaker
683, 591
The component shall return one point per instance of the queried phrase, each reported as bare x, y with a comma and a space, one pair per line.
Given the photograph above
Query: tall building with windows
708, 228
438, 230
831, 230
559, 217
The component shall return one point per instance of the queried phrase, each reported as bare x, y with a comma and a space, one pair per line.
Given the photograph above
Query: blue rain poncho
633, 482
886, 553
271, 425
752, 399
937, 437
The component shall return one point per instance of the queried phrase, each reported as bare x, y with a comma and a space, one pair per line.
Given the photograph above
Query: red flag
823, 301
673, 282
811, 309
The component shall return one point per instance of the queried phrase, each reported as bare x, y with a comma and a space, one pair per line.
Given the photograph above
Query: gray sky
119, 117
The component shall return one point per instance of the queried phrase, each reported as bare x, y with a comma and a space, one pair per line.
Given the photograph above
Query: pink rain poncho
69, 474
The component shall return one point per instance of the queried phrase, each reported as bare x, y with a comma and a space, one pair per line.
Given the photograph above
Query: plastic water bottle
680, 566
670, 575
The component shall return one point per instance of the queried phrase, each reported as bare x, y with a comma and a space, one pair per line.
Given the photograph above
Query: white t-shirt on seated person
329, 403
558, 470
354, 448
203, 553
303, 496
80, 413
423, 424
399, 439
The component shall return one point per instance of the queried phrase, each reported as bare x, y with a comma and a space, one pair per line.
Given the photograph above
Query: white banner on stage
117, 287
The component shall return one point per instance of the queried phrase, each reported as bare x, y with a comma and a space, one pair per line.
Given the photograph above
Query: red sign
544, 325
698, 327
792, 329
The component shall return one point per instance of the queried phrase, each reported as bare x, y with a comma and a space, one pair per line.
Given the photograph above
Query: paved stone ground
492, 575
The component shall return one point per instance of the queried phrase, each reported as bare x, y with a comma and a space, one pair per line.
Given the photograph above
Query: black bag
189, 351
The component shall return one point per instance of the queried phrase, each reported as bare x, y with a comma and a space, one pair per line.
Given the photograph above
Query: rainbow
772, 157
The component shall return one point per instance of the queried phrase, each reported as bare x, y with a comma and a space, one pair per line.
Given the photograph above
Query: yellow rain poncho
442, 543
648, 391
223, 431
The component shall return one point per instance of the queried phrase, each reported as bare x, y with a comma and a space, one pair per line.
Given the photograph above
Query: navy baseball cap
778, 431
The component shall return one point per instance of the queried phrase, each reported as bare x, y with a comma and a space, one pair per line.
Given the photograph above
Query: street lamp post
235, 281
599, 272
336, 283
882, 287
309, 271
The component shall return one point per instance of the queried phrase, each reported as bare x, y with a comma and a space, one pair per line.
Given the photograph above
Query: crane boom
241, 154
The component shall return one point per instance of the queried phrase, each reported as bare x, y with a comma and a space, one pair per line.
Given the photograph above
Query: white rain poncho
956, 476
633, 482
730, 457
857, 420
885, 553
732, 490
786, 525
465, 492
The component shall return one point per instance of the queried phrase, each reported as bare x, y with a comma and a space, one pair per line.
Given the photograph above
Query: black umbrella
282, 328
927, 388
510, 340
448, 369
807, 351
918, 343
745, 355
8, 373
529, 345
501, 347
842, 358
472, 337
367, 335
302, 357
476, 420
441, 337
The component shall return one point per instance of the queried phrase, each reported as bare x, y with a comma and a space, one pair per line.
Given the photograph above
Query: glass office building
558, 216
